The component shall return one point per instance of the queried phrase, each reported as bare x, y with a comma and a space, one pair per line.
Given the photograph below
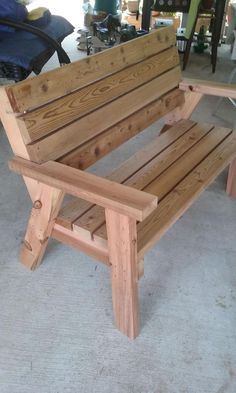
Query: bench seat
58, 130
176, 167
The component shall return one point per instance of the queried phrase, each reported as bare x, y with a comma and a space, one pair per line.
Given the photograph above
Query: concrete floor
56, 329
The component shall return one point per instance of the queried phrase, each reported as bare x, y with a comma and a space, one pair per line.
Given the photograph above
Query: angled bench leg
184, 112
140, 268
46, 205
191, 101
231, 183
122, 246
32, 187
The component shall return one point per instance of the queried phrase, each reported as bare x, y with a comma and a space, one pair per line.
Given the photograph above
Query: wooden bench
63, 121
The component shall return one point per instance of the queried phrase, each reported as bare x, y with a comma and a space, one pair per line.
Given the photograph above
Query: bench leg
46, 205
191, 101
32, 187
231, 183
172, 118
140, 268
122, 246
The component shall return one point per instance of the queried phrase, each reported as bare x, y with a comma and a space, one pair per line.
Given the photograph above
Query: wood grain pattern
45, 88
140, 177
167, 180
63, 141
177, 171
123, 199
72, 211
184, 194
107, 141
59, 113
101, 102
122, 246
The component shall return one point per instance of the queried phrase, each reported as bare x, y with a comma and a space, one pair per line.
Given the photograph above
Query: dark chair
29, 48
217, 15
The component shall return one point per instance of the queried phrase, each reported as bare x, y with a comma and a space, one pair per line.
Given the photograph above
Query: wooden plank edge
68, 138
76, 105
96, 250
30, 94
95, 189
84, 128
97, 147
208, 87
67, 236
93, 219
143, 248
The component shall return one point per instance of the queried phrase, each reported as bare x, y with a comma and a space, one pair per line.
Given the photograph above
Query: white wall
70, 9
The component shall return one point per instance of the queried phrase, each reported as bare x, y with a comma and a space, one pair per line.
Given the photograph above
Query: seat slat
169, 179
77, 208
59, 113
45, 88
71, 136
176, 172
71, 211
94, 218
184, 194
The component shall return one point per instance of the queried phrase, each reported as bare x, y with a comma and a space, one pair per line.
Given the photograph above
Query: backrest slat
88, 153
59, 113
47, 87
71, 136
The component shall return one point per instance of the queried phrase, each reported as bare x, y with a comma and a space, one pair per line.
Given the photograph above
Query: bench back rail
107, 99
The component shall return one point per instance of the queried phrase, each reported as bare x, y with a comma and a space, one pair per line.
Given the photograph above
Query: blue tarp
22, 47
11, 9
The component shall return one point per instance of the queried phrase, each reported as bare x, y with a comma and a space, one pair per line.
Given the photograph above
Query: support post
122, 248
173, 117
140, 268
231, 183
46, 205
191, 101
32, 187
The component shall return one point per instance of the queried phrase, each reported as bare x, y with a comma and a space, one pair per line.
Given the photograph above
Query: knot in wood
42, 241
27, 245
37, 204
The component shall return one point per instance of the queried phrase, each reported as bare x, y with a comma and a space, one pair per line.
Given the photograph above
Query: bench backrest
81, 111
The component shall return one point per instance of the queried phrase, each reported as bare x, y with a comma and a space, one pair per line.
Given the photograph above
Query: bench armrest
118, 197
208, 87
